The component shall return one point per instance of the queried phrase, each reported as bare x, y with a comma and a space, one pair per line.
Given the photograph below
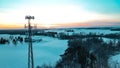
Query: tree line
87, 53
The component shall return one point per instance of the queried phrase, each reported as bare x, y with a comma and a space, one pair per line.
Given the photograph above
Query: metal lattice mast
30, 49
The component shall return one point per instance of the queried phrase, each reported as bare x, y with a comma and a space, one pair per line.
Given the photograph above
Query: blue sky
101, 6
60, 11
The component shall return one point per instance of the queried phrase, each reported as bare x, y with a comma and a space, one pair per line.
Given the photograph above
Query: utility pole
30, 48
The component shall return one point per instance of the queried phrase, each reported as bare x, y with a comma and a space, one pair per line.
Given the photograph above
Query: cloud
62, 12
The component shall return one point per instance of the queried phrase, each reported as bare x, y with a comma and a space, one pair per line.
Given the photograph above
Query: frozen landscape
47, 51
59, 33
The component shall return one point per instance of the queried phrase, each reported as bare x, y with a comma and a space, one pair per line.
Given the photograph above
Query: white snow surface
85, 31
45, 52
114, 61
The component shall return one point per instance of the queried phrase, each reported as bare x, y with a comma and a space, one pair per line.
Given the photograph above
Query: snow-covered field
86, 31
46, 51
114, 61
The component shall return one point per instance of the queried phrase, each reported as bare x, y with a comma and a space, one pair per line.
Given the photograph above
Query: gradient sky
60, 13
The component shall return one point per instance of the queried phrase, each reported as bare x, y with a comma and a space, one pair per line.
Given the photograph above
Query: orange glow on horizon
45, 26
4, 26
63, 25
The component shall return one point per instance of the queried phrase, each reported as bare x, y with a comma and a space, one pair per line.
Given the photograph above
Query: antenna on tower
30, 48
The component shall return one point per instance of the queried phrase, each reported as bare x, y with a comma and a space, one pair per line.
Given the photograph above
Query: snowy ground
114, 61
46, 51
86, 31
